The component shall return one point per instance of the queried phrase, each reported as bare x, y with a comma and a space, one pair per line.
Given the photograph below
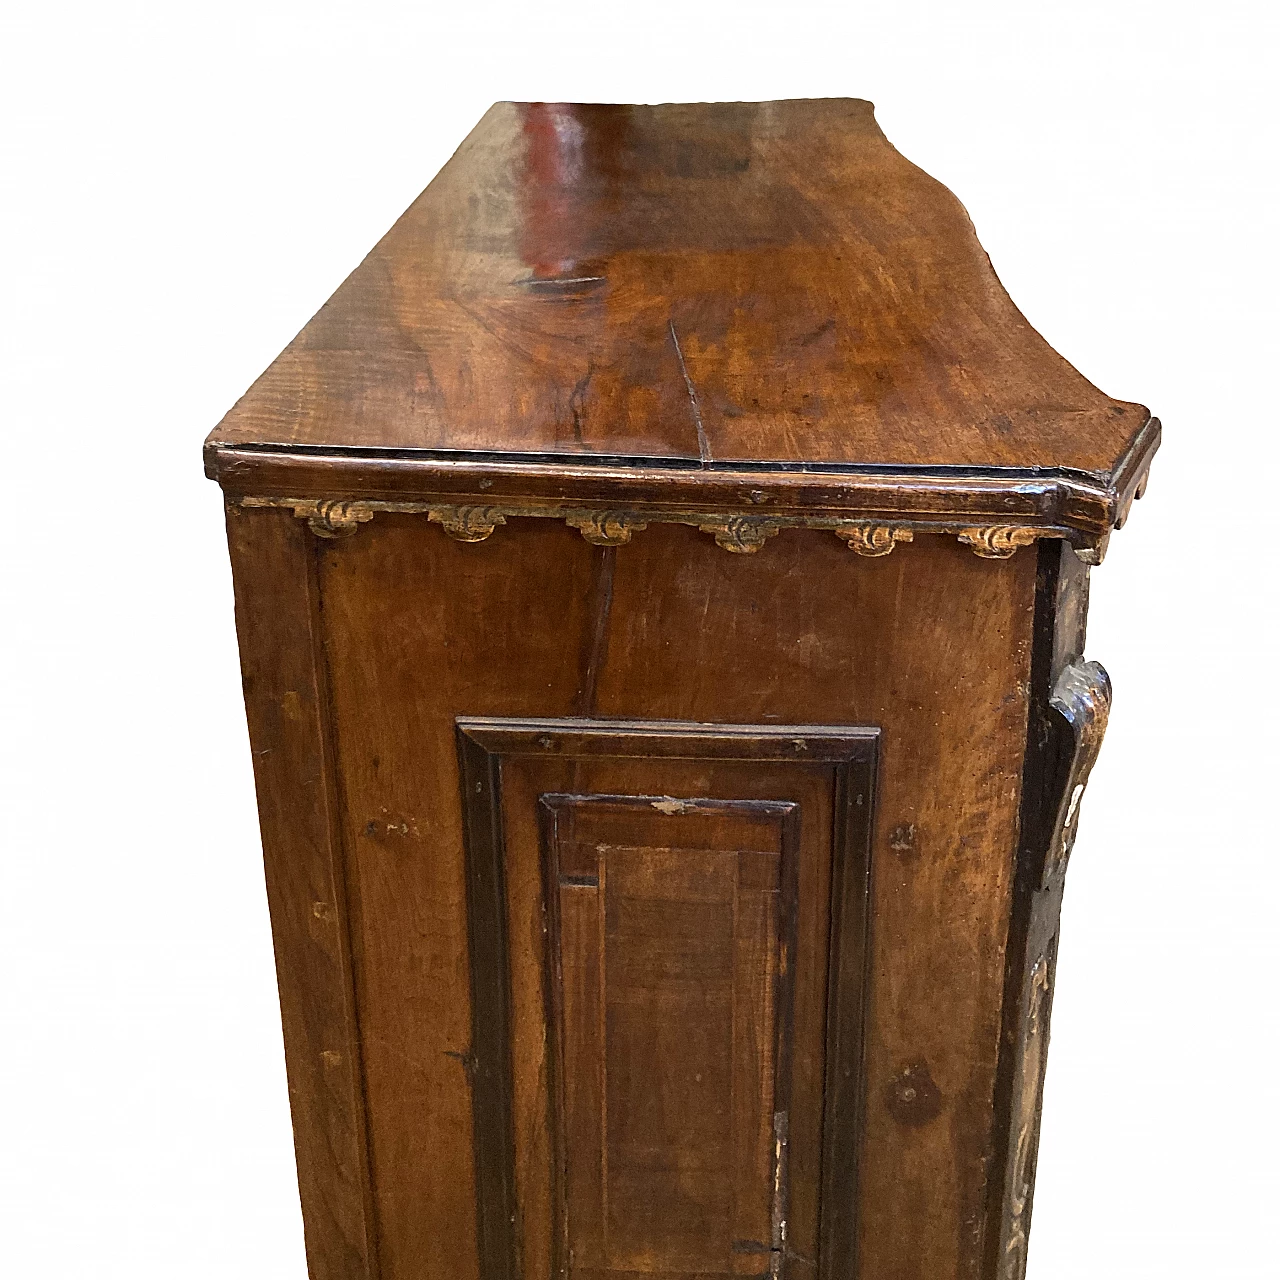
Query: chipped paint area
387, 824
671, 806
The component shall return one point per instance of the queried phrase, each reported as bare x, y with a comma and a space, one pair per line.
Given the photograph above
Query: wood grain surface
659, 1121
690, 286
558, 1014
416, 629
286, 697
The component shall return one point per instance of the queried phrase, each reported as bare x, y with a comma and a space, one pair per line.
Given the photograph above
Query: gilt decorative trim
331, 517
743, 535
467, 524
605, 528
1000, 541
872, 539
736, 532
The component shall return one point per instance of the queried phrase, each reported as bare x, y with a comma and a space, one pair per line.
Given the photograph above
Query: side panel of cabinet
931, 643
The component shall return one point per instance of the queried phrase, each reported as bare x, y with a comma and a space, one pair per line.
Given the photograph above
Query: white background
184, 185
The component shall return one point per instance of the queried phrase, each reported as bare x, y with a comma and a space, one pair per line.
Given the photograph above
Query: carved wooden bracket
1082, 700
998, 542
872, 539
467, 524
743, 535
334, 518
605, 528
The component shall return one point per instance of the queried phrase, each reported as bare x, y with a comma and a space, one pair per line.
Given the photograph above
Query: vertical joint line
704, 449
345, 896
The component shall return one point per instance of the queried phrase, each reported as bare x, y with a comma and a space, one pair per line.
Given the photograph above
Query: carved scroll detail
744, 535
467, 524
737, 532
1013, 1262
1082, 698
1000, 541
605, 528
1079, 703
333, 517
872, 539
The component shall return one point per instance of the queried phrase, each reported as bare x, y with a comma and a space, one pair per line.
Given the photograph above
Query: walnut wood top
690, 291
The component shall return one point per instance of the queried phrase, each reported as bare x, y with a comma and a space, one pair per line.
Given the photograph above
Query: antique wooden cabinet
660, 576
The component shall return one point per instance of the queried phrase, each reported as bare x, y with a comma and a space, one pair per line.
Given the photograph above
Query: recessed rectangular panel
670, 1006
660, 1014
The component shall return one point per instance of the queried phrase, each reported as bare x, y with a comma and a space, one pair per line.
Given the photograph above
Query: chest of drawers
661, 573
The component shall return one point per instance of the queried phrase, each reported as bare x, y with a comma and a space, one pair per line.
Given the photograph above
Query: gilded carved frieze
335, 518
739, 533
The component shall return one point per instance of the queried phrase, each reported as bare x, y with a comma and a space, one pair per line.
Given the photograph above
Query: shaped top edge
708, 287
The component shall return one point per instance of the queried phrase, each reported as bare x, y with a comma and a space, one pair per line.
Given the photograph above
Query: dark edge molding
1128, 477
583, 460
652, 739
847, 970
784, 1024
1031, 841
1049, 772
549, 807
490, 972
1088, 502
482, 742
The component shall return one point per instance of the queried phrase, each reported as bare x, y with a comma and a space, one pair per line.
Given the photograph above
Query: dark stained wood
489, 1063
727, 282
606, 948
1070, 701
844, 1090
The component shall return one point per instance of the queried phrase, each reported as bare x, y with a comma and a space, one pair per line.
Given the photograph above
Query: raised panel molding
669, 973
